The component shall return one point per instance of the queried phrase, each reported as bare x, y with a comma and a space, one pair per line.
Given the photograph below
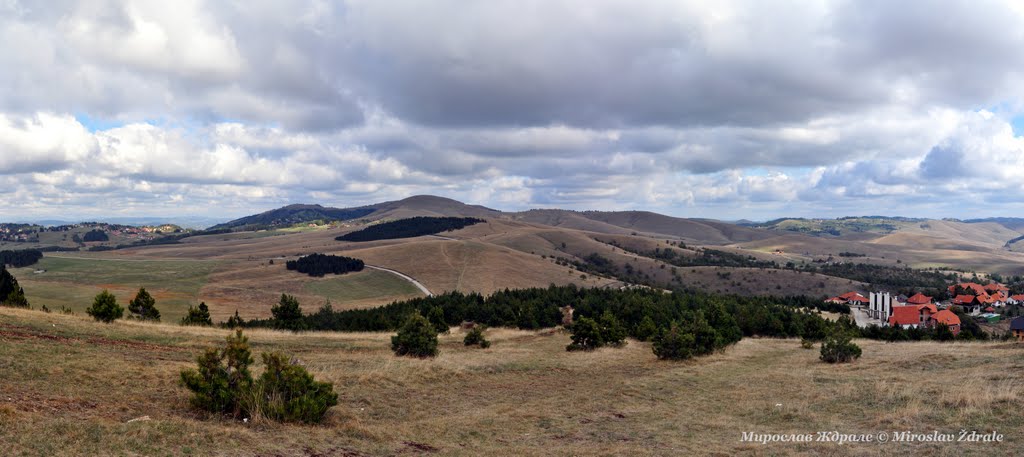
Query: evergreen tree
475, 337
287, 314
290, 393
222, 377
197, 315
943, 333
586, 335
838, 348
646, 329
416, 338
705, 337
436, 318
612, 332
143, 306
11, 294
673, 343
235, 321
105, 308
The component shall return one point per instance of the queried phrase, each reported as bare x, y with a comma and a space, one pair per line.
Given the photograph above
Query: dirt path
404, 276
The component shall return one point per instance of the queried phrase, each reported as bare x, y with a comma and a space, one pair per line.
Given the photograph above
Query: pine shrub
436, 318
586, 335
197, 315
222, 377
839, 348
287, 314
222, 383
612, 332
105, 308
416, 338
674, 343
291, 394
143, 307
475, 337
646, 329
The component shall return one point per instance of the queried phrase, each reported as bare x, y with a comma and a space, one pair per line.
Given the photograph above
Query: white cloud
696, 108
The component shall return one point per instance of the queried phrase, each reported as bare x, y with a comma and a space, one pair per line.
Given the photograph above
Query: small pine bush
235, 321
291, 394
416, 338
612, 332
436, 318
839, 348
475, 337
646, 329
222, 383
222, 377
105, 308
586, 335
143, 307
288, 314
674, 344
197, 315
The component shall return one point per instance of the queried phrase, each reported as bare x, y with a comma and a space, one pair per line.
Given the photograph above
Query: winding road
403, 276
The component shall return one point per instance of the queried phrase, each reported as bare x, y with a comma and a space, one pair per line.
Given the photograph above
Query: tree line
319, 265
408, 228
21, 258
538, 308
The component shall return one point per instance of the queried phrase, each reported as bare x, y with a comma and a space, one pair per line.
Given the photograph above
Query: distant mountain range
191, 222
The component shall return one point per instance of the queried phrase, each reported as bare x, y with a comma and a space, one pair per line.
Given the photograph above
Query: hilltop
420, 205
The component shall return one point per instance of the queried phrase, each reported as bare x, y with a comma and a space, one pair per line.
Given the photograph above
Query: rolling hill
244, 270
420, 205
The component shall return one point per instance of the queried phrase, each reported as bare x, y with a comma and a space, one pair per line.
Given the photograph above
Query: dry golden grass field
69, 386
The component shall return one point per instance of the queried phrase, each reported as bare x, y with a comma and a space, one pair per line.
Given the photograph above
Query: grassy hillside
645, 223
73, 281
524, 396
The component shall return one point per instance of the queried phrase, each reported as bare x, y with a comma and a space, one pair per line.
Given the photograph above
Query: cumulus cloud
688, 107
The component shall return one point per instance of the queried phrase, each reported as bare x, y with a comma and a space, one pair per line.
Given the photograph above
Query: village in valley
987, 304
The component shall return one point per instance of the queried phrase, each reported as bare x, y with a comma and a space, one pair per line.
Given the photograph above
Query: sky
725, 109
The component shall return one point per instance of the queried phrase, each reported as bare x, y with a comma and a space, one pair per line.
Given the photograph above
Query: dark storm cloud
667, 104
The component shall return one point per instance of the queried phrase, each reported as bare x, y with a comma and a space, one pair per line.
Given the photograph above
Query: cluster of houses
921, 311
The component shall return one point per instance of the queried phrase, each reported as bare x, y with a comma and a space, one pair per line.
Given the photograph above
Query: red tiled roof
946, 317
860, 299
1018, 297
930, 307
989, 309
963, 299
904, 315
919, 299
978, 289
850, 295
995, 286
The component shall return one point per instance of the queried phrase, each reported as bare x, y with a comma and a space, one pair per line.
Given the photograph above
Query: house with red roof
949, 318
849, 298
1015, 299
970, 303
905, 317
919, 299
996, 287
